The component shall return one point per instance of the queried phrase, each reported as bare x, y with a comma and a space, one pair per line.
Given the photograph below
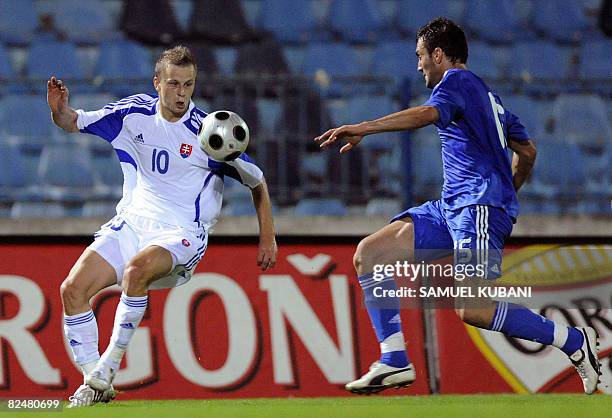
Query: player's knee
362, 259
134, 276
71, 292
472, 317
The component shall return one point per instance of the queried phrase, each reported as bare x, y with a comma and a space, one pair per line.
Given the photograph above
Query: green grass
521, 406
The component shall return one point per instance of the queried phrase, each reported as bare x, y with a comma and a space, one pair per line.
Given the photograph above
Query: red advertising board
231, 332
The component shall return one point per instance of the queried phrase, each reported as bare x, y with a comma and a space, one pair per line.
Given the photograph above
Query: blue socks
385, 317
518, 321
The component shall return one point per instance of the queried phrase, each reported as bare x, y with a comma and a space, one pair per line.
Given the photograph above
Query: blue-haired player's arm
524, 150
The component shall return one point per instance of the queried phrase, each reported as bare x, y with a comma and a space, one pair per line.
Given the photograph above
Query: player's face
427, 65
175, 86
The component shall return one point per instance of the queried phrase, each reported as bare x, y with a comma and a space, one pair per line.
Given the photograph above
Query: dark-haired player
474, 215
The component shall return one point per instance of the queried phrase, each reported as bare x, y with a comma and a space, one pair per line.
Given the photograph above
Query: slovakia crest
185, 150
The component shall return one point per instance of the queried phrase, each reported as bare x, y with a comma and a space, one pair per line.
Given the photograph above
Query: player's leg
147, 266
90, 274
391, 244
513, 320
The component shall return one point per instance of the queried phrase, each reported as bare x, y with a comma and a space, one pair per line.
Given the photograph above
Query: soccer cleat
380, 377
586, 362
85, 395
101, 378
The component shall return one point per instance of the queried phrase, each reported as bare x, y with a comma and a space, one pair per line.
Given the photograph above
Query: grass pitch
418, 406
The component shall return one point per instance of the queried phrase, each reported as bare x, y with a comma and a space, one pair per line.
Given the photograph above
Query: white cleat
101, 378
85, 395
586, 362
382, 376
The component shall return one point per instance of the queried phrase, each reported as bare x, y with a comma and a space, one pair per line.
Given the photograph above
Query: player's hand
266, 258
57, 95
352, 134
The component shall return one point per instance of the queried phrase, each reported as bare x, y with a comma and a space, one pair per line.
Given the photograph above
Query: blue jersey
474, 128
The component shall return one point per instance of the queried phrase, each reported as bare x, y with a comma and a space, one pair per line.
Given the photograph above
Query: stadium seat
426, 164
107, 169
6, 69
226, 58
102, 209
413, 14
66, 172
25, 118
182, 11
383, 206
494, 21
12, 174
93, 101
528, 110
125, 68
320, 207
592, 65
539, 60
329, 64
18, 21
86, 22
582, 118
269, 111
367, 107
356, 20
276, 13
38, 210
58, 58
303, 115
204, 56
561, 20
252, 11
395, 59
482, 61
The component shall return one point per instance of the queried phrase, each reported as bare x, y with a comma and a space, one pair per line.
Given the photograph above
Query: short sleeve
107, 122
448, 99
514, 128
242, 169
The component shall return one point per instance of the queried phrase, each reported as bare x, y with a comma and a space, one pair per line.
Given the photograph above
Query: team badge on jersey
186, 243
185, 150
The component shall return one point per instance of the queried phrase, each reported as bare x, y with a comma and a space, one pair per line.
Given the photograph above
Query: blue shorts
475, 234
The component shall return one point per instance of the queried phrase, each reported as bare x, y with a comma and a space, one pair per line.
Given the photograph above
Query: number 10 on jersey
160, 161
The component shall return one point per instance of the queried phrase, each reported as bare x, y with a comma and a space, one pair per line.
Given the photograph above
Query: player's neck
170, 116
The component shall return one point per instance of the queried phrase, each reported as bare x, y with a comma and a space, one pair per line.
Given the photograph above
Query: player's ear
156, 83
438, 54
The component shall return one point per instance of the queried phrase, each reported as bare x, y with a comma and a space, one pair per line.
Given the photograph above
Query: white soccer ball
223, 135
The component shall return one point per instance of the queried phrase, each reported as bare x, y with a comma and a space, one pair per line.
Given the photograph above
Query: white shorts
124, 236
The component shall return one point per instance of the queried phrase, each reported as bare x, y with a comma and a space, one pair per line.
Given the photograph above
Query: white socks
81, 330
127, 318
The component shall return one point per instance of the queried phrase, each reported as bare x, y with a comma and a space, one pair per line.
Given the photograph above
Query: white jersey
167, 177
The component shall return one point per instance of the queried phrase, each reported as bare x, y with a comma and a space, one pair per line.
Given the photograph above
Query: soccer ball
223, 135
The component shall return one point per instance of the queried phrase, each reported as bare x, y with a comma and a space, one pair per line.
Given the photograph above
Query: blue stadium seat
18, 21
107, 169
326, 62
366, 107
226, 58
276, 14
496, 21
38, 210
413, 14
483, 61
562, 20
126, 68
395, 59
25, 118
252, 11
528, 110
86, 22
383, 206
528, 59
182, 12
102, 209
66, 172
426, 164
320, 207
269, 112
582, 118
46, 58
6, 69
356, 20
12, 174
93, 101
592, 65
